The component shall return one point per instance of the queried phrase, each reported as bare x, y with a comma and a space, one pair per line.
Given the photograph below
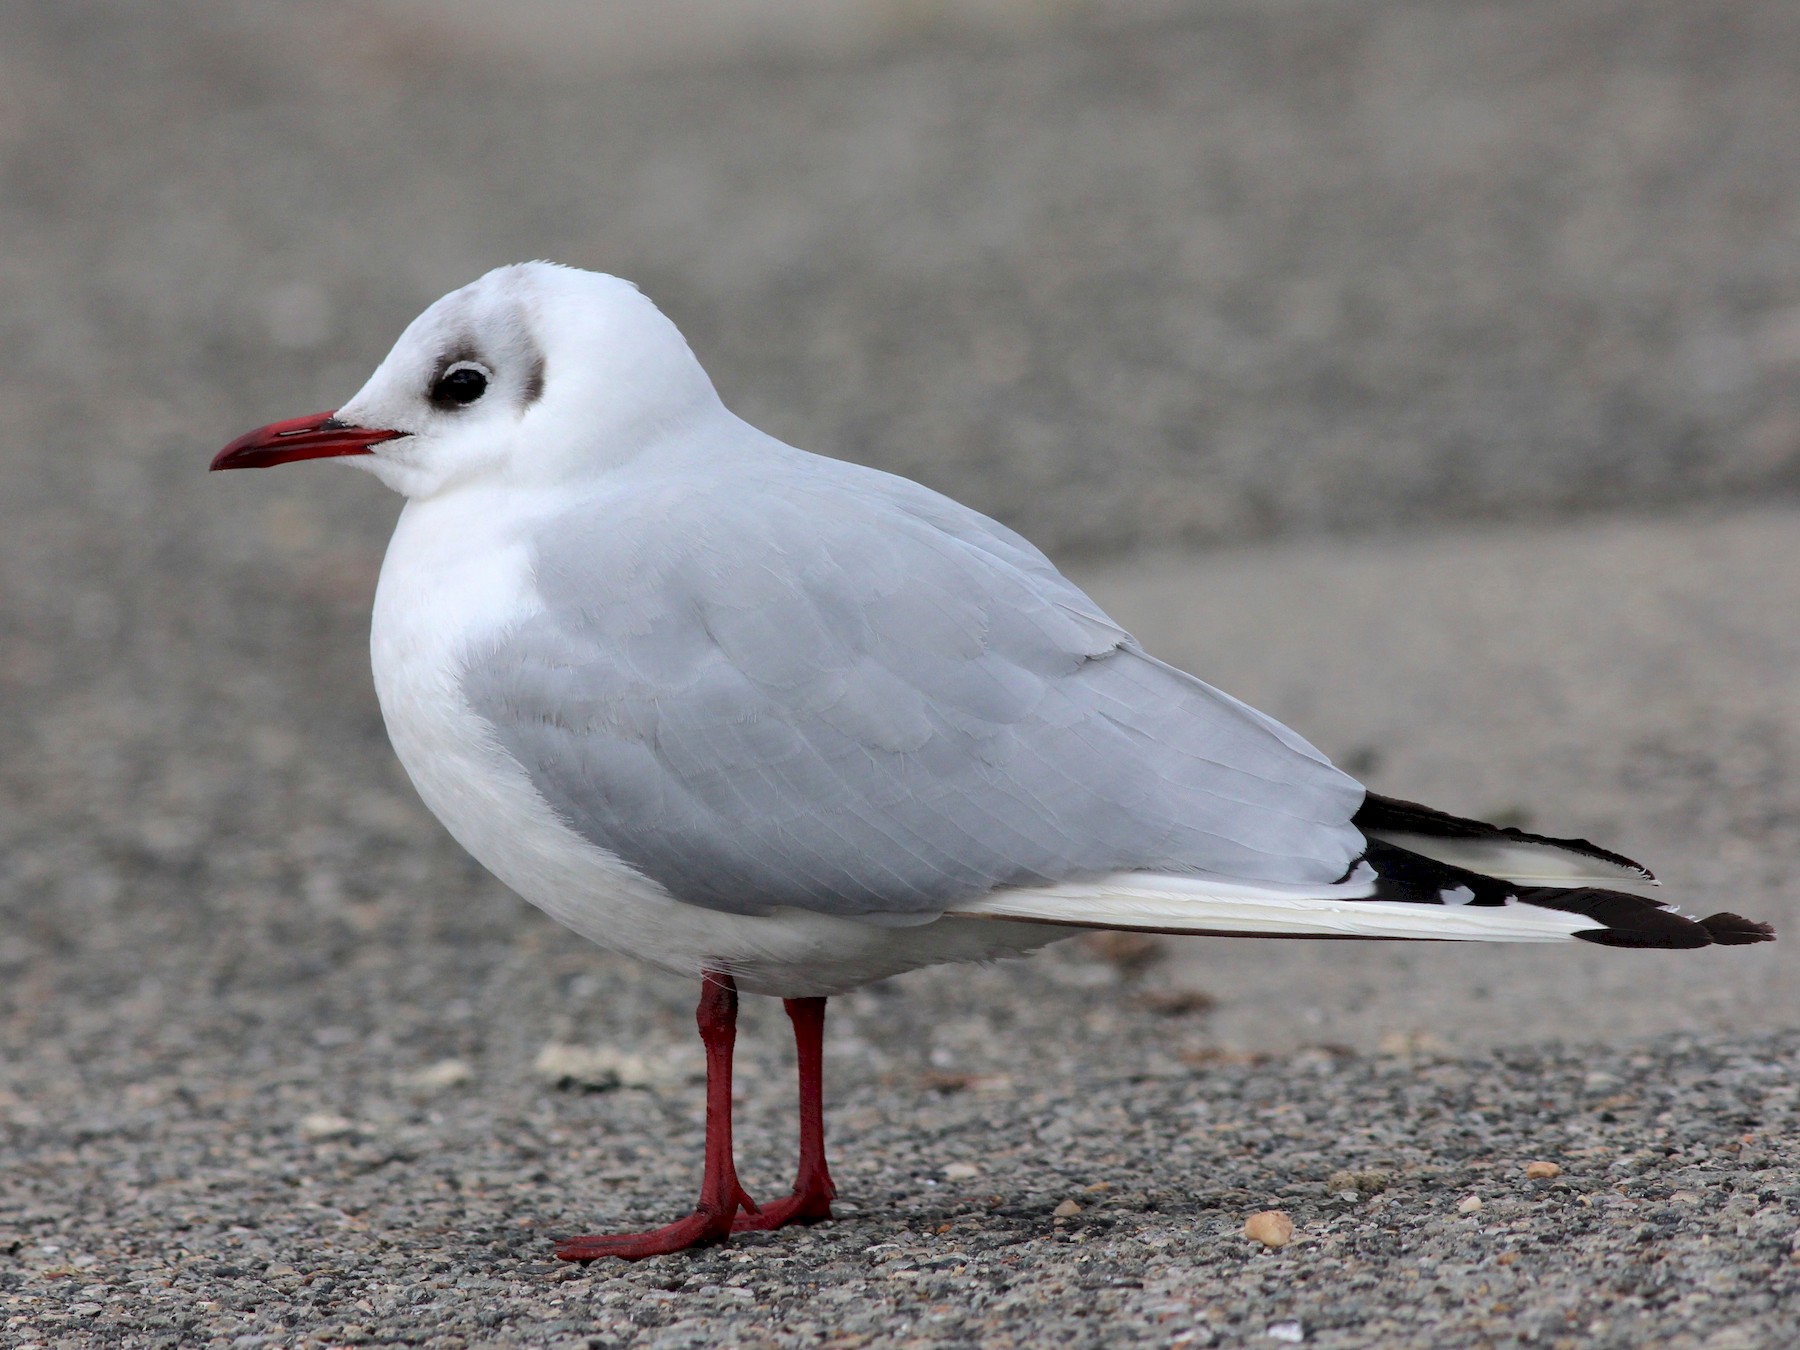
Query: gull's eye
463, 383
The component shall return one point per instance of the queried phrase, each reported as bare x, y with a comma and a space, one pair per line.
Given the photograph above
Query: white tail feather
1517, 861
1166, 904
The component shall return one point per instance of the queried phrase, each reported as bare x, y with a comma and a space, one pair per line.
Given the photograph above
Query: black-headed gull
789, 725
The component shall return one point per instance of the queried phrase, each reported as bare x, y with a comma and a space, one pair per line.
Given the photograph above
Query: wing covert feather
842, 692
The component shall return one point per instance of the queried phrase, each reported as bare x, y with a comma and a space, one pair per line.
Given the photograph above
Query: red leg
720, 1195
811, 1200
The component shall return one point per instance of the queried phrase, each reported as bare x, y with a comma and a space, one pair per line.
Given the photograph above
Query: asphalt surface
1149, 273
1070, 1179
1461, 336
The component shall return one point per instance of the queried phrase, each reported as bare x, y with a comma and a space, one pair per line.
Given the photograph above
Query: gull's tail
1425, 876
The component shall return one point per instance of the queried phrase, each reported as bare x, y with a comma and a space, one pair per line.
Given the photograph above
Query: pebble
446, 1073
1359, 1181
602, 1068
1542, 1171
1271, 1227
1469, 1204
322, 1125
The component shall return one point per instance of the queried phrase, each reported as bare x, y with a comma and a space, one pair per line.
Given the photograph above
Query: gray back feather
793, 681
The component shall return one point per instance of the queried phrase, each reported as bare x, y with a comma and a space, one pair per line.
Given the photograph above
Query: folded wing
840, 692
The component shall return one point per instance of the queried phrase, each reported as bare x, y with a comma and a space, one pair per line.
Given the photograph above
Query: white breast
457, 576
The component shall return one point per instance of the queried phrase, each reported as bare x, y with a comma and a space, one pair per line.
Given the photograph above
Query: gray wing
840, 691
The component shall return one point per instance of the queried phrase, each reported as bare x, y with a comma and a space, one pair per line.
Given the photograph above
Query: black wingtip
1672, 931
1621, 919
1631, 920
1670, 939
1380, 815
1733, 930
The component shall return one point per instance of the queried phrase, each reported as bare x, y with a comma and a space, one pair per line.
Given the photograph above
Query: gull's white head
535, 373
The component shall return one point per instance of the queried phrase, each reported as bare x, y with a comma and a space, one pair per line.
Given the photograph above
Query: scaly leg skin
811, 1200
720, 1195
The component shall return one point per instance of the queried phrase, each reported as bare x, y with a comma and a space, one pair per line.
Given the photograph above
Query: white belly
453, 581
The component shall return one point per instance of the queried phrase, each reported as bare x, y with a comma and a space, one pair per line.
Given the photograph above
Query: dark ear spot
534, 379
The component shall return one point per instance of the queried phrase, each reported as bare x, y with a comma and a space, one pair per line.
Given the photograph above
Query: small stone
1290, 1332
446, 1073
1542, 1171
1271, 1227
1362, 1181
1469, 1204
325, 1125
601, 1068
961, 1171
1068, 1209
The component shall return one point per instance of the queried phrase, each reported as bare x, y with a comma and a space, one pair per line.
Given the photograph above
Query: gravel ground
1082, 1173
266, 1037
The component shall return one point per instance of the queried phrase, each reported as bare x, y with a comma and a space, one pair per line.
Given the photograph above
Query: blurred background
1425, 371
